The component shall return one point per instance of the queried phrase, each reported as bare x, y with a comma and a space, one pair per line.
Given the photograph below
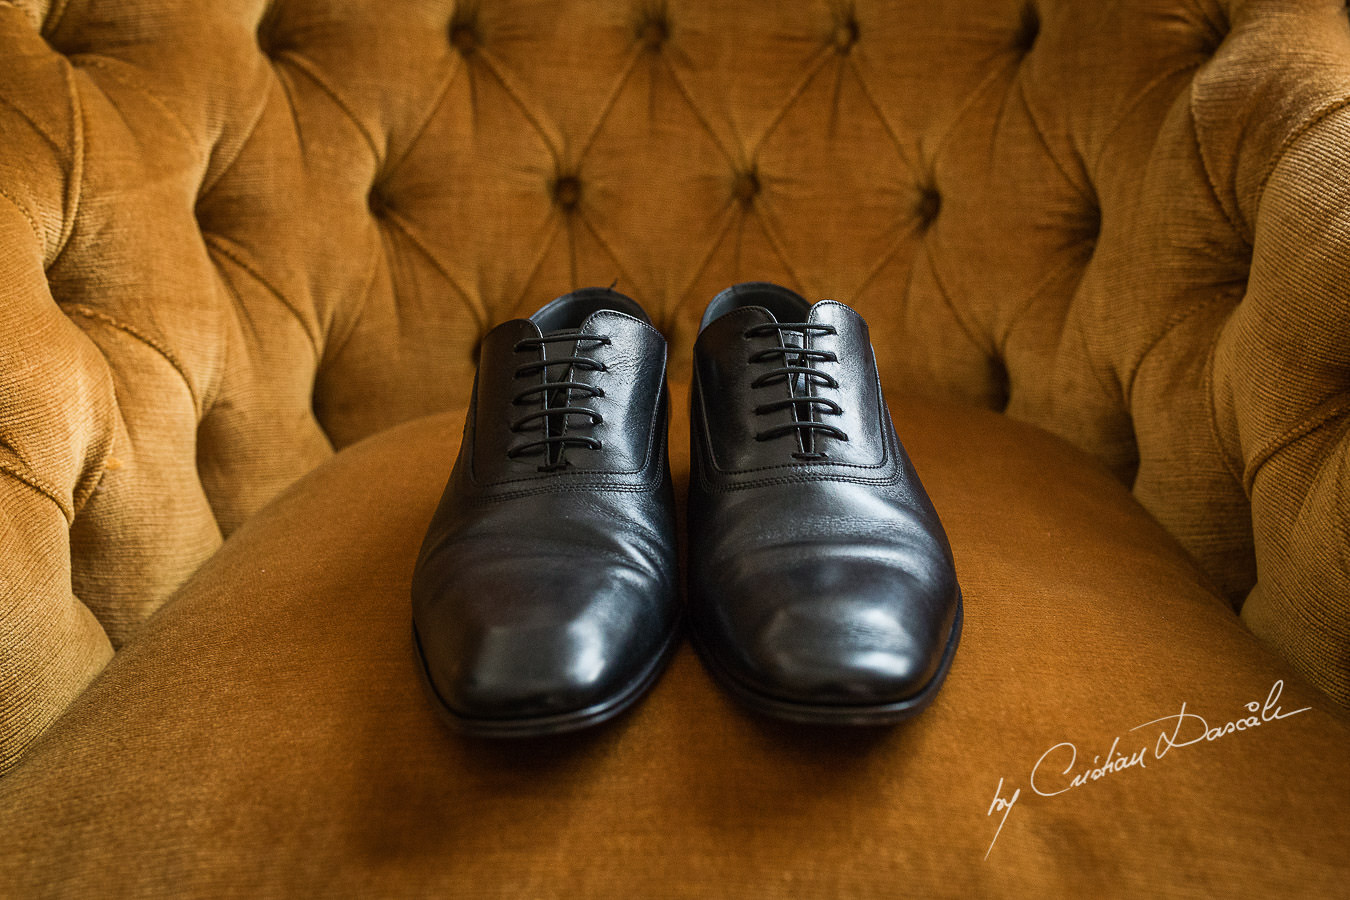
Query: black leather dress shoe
821, 582
544, 597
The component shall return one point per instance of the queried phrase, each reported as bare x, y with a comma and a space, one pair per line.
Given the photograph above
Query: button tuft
376, 202
745, 186
653, 32
567, 192
928, 206
464, 37
1028, 29
269, 32
845, 35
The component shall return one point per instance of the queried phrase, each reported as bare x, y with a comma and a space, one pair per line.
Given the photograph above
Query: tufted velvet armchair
247, 250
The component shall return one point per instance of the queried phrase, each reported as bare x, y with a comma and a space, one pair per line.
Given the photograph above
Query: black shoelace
798, 365
557, 399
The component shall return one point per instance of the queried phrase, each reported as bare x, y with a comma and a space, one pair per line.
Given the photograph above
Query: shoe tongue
574, 310
778, 303
589, 326
737, 320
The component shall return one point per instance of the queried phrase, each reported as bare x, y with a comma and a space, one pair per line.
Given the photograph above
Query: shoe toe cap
858, 634
504, 648
837, 652
525, 671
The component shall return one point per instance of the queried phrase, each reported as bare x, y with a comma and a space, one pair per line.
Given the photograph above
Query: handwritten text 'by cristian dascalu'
1058, 770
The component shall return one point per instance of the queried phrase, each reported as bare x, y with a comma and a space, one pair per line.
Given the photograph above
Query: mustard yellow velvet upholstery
236, 236
265, 735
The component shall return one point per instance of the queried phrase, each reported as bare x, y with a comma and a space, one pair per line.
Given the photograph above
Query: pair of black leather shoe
821, 584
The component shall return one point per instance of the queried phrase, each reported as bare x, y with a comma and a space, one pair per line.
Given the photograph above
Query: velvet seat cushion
265, 733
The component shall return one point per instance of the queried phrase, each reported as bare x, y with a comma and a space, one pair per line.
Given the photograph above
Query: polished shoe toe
861, 638
532, 670
838, 652
503, 654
